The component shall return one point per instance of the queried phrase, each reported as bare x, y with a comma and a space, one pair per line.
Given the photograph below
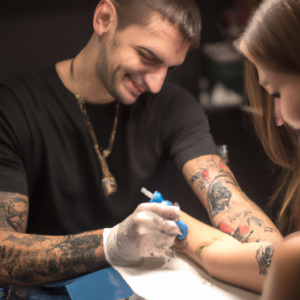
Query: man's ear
105, 17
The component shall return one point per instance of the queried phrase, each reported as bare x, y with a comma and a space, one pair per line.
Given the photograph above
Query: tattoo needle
147, 193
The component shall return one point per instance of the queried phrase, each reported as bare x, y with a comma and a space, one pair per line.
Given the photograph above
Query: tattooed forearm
13, 212
242, 225
202, 174
214, 179
228, 207
33, 259
36, 259
264, 256
218, 198
269, 229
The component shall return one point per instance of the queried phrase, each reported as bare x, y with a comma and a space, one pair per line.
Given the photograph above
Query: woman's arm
282, 281
224, 257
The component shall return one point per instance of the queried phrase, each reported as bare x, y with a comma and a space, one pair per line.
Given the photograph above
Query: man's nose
155, 79
277, 112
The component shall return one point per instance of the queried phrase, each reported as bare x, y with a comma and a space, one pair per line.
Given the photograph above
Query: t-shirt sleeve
185, 128
12, 171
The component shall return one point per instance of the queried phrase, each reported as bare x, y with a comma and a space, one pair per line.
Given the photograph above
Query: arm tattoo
240, 225
269, 229
61, 257
264, 256
13, 212
203, 175
216, 181
218, 195
218, 198
202, 246
35, 259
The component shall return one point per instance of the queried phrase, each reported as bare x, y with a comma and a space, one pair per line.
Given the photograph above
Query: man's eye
146, 56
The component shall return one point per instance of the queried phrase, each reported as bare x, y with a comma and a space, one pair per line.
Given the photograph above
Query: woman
271, 45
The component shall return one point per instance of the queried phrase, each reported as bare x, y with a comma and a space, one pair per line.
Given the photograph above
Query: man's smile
135, 87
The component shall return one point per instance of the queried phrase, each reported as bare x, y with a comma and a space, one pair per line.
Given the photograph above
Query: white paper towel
181, 279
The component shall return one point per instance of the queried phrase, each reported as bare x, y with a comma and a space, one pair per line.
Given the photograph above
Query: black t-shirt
46, 151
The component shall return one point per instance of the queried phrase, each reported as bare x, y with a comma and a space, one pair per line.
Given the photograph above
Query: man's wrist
106, 233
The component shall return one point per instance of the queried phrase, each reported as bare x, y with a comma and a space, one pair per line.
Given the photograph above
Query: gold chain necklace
108, 181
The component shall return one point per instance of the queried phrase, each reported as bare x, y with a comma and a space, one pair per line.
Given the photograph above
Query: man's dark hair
183, 14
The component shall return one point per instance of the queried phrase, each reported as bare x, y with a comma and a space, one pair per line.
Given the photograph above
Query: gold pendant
109, 185
106, 153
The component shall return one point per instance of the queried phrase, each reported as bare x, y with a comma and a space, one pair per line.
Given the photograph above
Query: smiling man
77, 144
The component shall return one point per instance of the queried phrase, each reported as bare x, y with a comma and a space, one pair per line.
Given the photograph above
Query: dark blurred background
35, 34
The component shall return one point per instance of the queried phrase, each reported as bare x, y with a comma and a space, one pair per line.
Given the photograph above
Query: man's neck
79, 76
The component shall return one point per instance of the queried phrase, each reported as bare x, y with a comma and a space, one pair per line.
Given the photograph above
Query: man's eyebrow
151, 53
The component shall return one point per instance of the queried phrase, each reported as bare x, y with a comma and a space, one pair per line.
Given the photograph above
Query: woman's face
285, 89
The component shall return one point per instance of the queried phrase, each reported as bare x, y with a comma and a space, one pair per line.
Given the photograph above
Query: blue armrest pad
106, 284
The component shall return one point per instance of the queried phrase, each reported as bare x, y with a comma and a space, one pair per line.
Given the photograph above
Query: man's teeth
140, 82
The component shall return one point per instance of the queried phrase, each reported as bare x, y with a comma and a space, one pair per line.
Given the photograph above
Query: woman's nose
277, 112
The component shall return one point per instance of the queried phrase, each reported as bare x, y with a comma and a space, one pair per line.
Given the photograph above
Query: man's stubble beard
108, 77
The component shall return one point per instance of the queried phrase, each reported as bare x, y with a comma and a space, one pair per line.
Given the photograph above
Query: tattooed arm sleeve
229, 209
28, 260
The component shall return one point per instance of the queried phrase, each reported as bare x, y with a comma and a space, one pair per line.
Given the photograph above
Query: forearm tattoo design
13, 212
218, 195
31, 258
240, 225
203, 175
59, 258
202, 246
244, 220
264, 256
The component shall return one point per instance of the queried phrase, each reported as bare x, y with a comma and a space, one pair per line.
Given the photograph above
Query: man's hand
144, 238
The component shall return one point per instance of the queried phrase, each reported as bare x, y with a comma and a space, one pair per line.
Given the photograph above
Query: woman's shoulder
288, 251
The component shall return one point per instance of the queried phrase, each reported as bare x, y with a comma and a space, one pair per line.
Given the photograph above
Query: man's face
137, 59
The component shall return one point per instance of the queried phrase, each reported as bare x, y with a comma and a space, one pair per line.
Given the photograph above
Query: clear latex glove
144, 238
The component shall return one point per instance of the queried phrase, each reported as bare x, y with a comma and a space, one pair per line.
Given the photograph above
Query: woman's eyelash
276, 95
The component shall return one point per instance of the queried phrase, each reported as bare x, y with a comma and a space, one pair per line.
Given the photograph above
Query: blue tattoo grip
158, 198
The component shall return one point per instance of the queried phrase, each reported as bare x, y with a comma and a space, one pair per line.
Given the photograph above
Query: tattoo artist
78, 142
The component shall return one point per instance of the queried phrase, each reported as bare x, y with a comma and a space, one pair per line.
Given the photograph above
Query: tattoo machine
223, 152
158, 198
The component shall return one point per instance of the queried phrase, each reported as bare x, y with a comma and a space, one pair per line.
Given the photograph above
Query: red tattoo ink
205, 175
244, 230
222, 166
226, 228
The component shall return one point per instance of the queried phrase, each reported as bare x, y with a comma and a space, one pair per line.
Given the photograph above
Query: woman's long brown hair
273, 39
